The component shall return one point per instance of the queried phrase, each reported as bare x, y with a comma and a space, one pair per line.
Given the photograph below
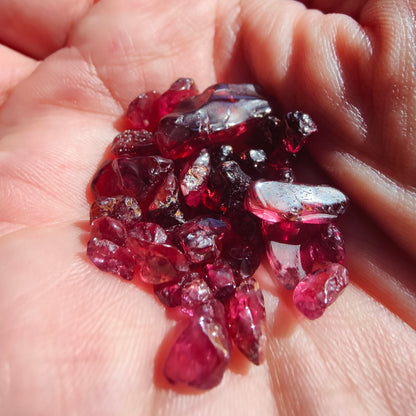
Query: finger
37, 28
351, 8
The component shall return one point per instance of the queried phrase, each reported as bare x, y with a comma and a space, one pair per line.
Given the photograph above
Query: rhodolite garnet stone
199, 187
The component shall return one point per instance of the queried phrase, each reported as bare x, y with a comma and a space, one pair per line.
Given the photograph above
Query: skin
77, 341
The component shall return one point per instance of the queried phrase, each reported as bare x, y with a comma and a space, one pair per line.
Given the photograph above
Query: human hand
74, 340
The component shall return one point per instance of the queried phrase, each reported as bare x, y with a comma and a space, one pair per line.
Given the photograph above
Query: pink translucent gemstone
194, 178
169, 294
142, 112
158, 263
280, 201
220, 278
221, 111
193, 294
201, 353
112, 258
107, 228
246, 315
134, 143
328, 245
148, 232
178, 91
123, 208
320, 289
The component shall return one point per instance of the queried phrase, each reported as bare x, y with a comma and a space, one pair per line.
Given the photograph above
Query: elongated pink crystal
319, 289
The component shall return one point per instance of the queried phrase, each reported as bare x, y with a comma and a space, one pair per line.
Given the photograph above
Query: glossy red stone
221, 111
107, 228
299, 126
112, 258
328, 245
194, 178
320, 289
201, 353
123, 208
177, 92
169, 294
148, 232
134, 143
194, 293
246, 315
143, 112
220, 278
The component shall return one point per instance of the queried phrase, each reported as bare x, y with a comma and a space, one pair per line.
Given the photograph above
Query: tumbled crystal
280, 201
121, 207
134, 143
158, 263
299, 126
194, 178
220, 278
319, 289
200, 354
107, 228
143, 112
112, 258
221, 110
246, 315
178, 91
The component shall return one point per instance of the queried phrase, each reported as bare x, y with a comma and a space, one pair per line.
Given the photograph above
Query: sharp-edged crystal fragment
299, 126
280, 201
220, 278
134, 143
143, 112
319, 289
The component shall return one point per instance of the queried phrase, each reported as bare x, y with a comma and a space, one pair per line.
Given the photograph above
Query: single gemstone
201, 353
200, 238
288, 250
148, 232
134, 143
220, 278
248, 227
140, 177
221, 111
169, 294
280, 201
194, 178
254, 162
319, 289
299, 126
246, 315
158, 263
178, 91
142, 112
328, 245
112, 258
121, 207
227, 186
107, 228
194, 293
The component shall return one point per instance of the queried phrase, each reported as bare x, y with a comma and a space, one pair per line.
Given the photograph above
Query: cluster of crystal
200, 186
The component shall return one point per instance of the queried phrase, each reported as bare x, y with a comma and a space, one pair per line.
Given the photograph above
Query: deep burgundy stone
246, 315
143, 112
280, 201
148, 232
223, 110
158, 263
107, 228
134, 143
220, 278
221, 153
319, 289
254, 162
112, 258
328, 245
124, 208
201, 353
169, 294
194, 178
299, 126
178, 91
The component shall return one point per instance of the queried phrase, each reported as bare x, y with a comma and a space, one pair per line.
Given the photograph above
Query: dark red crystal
143, 112
299, 126
107, 228
220, 278
134, 143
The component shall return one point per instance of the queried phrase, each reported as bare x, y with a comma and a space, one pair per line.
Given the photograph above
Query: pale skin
77, 341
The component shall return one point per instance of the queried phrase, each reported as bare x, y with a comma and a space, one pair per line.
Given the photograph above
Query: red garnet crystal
200, 187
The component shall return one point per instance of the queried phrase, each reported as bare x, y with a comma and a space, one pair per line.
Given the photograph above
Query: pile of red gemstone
200, 186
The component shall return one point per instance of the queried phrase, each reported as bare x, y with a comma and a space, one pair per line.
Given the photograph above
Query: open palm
77, 341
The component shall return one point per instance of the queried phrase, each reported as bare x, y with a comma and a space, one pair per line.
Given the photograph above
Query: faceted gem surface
319, 289
201, 353
194, 178
246, 315
220, 278
280, 201
124, 208
206, 117
107, 228
134, 143
112, 258
143, 112
178, 91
